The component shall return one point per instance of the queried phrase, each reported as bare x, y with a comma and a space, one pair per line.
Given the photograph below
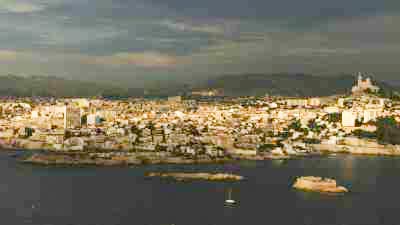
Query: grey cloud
224, 36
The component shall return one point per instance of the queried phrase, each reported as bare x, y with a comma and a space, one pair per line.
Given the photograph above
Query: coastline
129, 158
103, 159
390, 150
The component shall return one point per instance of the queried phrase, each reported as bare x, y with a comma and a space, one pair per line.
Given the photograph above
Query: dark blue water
123, 196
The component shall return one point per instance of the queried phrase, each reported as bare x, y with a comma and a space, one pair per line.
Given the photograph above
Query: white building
349, 118
296, 102
91, 120
81, 102
371, 114
175, 99
34, 114
341, 102
363, 85
314, 101
331, 109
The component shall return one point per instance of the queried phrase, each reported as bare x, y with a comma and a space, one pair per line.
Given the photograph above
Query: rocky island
198, 176
318, 184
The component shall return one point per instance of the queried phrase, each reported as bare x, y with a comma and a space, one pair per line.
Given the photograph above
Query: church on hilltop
364, 85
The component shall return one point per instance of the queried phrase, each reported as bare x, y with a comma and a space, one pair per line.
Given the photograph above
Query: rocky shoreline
318, 184
99, 159
197, 176
139, 158
389, 150
127, 158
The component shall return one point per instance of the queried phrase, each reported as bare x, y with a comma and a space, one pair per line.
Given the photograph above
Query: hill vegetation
300, 85
18, 86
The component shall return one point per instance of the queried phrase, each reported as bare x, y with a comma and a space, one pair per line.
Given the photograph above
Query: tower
360, 79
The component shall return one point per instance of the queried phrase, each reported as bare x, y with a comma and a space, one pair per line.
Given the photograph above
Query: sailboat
230, 201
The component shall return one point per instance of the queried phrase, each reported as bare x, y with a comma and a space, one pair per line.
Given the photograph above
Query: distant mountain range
302, 85
19, 86
230, 85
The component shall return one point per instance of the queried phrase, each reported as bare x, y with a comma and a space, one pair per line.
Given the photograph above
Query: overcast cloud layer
139, 40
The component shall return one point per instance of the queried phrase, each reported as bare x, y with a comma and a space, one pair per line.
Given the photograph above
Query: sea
44, 195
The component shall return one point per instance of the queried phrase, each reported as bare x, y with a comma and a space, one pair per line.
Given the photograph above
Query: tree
135, 130
364, 134
164, 138
205, 129
359, 122
295, 125
266, 147
67, 134
312, 141
84, 120
219, 150
264, 137
394, 96
334, 117
388, 131
315, 127
160, 148
151, 126
312, 124
193, 130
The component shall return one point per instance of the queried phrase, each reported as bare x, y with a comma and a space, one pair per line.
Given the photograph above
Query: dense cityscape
177, 112
200, 128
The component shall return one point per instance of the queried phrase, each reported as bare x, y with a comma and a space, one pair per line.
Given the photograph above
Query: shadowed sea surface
39, 195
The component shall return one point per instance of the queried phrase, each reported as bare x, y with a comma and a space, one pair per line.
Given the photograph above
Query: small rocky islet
318, 184
197, 176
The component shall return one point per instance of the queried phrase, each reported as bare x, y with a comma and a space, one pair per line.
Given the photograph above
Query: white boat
230, 201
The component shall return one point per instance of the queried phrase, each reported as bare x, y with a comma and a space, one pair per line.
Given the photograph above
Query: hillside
284, 85
231, 85
52, 86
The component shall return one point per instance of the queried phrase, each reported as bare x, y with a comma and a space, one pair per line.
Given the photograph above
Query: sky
136, 41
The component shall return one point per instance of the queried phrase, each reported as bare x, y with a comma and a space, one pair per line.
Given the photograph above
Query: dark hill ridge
19, 86
285, 85
232, 85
